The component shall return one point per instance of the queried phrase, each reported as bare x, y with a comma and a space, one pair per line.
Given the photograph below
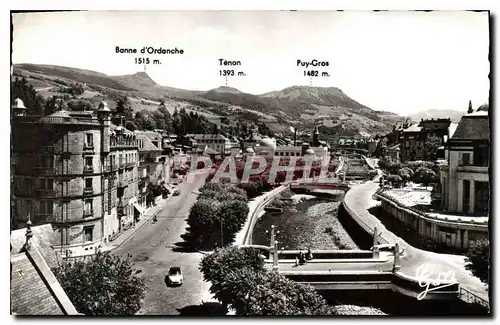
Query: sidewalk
125, 235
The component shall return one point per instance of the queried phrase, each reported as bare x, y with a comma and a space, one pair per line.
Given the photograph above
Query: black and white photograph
211, 163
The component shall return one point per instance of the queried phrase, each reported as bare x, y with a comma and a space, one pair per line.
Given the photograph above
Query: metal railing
44, 170
46, 192
470, 297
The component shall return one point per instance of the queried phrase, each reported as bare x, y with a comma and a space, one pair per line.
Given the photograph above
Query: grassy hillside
298, 105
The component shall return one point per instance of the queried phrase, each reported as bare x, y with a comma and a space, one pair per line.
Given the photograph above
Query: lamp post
396, 265
275, 256
273, 246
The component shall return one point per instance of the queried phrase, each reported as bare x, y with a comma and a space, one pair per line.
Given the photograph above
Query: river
306, 222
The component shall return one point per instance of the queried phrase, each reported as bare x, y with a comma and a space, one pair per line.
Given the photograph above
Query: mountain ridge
302, 106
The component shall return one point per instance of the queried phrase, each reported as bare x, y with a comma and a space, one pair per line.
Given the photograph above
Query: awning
138, 208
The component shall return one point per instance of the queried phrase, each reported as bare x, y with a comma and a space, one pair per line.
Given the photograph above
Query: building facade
151, 162
414, 145
215, 141
465, 179
77, 171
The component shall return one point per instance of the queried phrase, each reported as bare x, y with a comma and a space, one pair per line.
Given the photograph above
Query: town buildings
267, 147
151, 163
465, 179
77, 171
215, 141
418, 139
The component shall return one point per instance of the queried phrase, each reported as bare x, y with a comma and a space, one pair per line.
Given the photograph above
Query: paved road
151, 250
359, 199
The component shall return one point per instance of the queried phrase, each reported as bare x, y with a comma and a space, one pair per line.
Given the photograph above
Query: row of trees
217, 215
180, 122
259, 183
239, 281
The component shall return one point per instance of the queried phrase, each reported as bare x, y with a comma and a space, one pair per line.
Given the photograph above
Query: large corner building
76, 171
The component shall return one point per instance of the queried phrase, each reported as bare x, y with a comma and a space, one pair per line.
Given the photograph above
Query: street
359, 199
152, 253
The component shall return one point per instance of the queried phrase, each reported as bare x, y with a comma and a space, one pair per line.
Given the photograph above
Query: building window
465, 159
88, 233
46, 184
88, 207
88, 161
28, 184
89, 140
88, 182
47, 161
46, 207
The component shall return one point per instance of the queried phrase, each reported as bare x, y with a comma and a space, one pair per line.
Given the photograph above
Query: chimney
295, 137
470, 107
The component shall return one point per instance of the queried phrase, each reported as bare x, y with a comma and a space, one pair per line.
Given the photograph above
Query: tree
33, 102
432, 143
271, 294
123, 108
385, 163
177, 122
478, 259
131, 125
394, 179
425, 176
216, 266
239, 280
406, 174
105, 285
233, 215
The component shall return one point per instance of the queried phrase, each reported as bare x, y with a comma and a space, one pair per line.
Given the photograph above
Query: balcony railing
88, 191
473, 169
88, 213
45, 192
88, 146
131, 164
88, 169
121, 184
44, 170
107, 168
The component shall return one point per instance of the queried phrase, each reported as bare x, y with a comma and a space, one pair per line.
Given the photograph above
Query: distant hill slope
74, 74
300, 106
327, 96
435, 113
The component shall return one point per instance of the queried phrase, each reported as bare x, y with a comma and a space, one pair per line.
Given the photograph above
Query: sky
398, 61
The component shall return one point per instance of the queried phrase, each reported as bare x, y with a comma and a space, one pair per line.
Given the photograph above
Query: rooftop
44, 237
473, 126
413, 128
35, 290
201, 137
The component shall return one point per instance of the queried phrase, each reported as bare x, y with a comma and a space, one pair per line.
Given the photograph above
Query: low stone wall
452, 233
